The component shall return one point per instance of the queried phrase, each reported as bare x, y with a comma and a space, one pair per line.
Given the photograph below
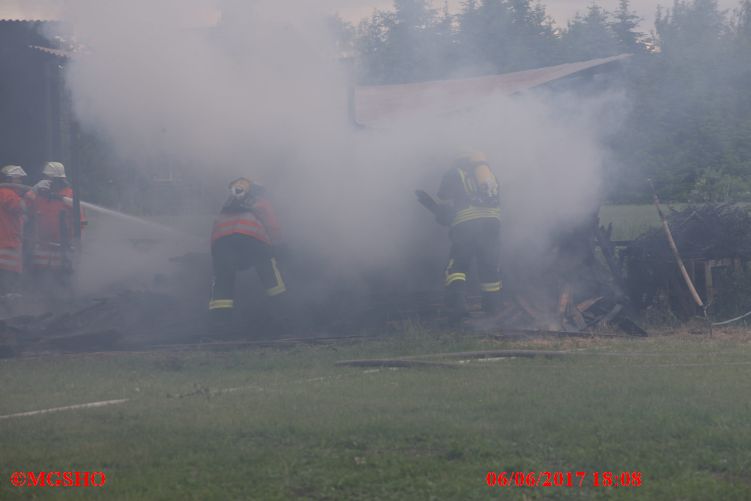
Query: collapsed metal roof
373, 104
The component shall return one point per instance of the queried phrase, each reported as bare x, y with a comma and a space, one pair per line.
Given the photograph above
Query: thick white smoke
263, 94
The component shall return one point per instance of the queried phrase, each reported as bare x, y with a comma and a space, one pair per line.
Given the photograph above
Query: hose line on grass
732, 319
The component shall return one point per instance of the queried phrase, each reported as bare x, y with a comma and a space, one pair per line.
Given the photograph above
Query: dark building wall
32, 127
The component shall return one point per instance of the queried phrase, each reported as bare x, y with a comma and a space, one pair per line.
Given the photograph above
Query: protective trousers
232, 254
476, 239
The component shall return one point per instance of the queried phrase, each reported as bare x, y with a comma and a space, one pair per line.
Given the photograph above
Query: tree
497, 36
590, 36
741, 23
343, 33
406, 44
468, 36
624, 26
532, 42
374, 66
692, 110
409, 40
492, 34
445, 43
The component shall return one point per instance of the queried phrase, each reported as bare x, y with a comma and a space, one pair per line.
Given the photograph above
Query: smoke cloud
236, 88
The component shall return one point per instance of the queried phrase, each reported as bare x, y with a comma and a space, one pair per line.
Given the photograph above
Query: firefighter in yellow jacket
470, 199
245, 235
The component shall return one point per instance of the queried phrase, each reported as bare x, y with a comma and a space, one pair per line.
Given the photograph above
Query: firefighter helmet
470, 158
477, 157
54, 169
13, 171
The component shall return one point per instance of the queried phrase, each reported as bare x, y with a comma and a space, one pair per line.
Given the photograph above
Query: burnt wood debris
594, 286
715, 243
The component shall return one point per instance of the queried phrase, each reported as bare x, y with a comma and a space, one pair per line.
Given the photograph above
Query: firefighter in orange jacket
12, 212
245, 235
52, 223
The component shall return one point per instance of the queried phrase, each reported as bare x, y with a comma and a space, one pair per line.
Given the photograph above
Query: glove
43, 185
425, 199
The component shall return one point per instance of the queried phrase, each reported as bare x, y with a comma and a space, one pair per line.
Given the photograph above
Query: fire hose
23, 189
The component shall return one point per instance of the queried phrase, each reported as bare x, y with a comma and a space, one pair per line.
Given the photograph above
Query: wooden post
674, 248
678, 259
708, 283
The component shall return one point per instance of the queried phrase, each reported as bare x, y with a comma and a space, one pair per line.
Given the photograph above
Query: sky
560, 10
353, 10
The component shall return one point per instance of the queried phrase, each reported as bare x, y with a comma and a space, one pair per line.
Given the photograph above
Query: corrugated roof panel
383, 102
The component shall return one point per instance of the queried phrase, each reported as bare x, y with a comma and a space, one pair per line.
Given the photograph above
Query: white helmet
54, 169
13, 171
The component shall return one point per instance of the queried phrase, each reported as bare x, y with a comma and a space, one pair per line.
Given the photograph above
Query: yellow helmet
477, 157
470, 158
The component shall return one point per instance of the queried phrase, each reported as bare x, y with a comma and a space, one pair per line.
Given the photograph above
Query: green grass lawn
675, 408
630, 221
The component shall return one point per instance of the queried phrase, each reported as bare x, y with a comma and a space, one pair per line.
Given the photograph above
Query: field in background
295, 425
629, 221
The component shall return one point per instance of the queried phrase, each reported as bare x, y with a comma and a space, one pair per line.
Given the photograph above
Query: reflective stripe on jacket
461, 192
239, 223
472, 213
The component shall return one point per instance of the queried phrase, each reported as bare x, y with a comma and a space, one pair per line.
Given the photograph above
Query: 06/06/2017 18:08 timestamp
563, 479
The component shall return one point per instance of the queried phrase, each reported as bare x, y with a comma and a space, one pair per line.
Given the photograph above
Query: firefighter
471, 207
52, 223
245, 235
12, 214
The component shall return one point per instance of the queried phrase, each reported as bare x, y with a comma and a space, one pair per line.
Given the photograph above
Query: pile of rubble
575, 291
127, 320
576, 287
714, 242
700, 232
